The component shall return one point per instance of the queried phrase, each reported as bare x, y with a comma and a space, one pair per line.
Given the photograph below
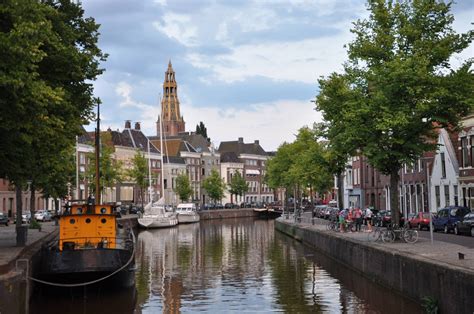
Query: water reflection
234, 265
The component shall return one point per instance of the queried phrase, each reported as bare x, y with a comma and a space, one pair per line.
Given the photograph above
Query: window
472, 151
82, 158
443, 166
455, 195
464, 152
437, 193
446, 195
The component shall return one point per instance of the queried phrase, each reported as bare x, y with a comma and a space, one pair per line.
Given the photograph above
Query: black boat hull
79, 266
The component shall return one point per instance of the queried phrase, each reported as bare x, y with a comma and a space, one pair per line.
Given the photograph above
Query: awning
252, 171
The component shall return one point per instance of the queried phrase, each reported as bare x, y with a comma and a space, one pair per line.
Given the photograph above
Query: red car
420, 221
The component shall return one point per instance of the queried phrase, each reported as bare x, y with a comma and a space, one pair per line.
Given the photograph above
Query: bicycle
408, 235
375, 235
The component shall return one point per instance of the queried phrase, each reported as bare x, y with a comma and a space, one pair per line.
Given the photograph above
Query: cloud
177, 26
302, 61
124, 90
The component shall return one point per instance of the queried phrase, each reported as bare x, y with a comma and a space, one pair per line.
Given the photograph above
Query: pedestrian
342, 218
368, 219
358, 218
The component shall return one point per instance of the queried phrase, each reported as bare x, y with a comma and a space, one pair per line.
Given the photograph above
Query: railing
84, 243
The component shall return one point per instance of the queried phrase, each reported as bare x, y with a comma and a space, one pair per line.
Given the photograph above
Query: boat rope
72, 285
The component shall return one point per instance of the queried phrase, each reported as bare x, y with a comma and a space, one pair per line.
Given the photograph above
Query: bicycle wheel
388, 236
374, 235
410, 236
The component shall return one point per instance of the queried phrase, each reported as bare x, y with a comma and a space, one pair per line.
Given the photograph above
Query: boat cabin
87, 227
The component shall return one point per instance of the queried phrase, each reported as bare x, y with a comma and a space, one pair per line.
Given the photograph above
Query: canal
228, 266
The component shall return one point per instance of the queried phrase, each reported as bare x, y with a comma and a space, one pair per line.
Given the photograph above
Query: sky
245, 68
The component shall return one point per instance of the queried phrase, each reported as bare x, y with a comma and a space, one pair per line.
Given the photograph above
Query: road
463, 240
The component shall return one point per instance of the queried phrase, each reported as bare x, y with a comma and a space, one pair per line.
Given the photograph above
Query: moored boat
91, 248
156, 216
187, 213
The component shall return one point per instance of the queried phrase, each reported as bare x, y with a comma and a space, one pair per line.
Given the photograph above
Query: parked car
465, 225
25, 218
447, 217
384, 217
43, 215
4, 219
420, 220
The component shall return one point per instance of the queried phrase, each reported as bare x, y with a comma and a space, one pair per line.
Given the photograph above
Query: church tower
173, 122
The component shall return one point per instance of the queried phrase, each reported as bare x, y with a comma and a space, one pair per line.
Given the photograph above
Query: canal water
217, 266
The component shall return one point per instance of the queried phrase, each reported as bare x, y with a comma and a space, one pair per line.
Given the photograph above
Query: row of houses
441, 178
185, 153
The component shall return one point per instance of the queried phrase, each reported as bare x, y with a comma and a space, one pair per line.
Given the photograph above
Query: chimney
137, 126
241, 139
257, 142
128, 124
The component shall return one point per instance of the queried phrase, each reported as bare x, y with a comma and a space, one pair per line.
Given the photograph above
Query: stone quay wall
410, 275
227, 213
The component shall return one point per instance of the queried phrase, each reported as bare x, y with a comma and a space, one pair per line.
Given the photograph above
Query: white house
444, 177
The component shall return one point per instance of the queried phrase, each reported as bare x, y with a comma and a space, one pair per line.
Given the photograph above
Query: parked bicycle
394, 232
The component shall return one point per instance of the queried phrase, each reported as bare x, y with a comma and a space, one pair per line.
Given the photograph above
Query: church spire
173, 122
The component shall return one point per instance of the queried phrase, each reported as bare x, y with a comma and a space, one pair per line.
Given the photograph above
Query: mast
97, 157
161, 151
149, 171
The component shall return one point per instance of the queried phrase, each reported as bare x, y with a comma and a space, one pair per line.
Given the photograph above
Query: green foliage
34, 224
214, 185
48, 58
430, 305
398, 86
110, 170
139, 172
238, 185
201, 129
302, 163
183, 187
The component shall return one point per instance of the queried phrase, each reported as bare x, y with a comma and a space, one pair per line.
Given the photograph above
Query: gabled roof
239, 147
138, 140
173, 146
84, 137
229, 157
450, 149
173, 160
199, 142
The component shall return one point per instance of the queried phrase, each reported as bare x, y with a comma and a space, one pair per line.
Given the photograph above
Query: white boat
156, 216
187, 213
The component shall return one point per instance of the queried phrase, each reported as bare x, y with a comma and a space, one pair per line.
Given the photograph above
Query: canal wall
15, 288
411, 275
227, 213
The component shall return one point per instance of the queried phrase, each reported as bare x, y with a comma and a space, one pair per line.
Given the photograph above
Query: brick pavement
9, 252
438, 252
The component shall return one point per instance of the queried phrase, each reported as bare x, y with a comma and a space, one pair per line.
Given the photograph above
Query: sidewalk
439, 252
9, 252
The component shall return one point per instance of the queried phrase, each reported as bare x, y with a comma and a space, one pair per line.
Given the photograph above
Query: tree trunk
32, 202
340, 192
19, 205
21, 232
56, 211
394, 206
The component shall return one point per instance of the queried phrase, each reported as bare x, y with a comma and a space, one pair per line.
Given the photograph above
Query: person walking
358, 218
342, 220
368, 219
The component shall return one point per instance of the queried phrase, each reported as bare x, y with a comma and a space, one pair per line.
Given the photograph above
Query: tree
48, 58
214, 185
201, 129
238, 185
183, 187
110, 170
400, 84
139, 173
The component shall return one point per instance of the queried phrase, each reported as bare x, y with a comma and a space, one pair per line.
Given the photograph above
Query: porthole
88, 221
103, 220
103, 210
72, 221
